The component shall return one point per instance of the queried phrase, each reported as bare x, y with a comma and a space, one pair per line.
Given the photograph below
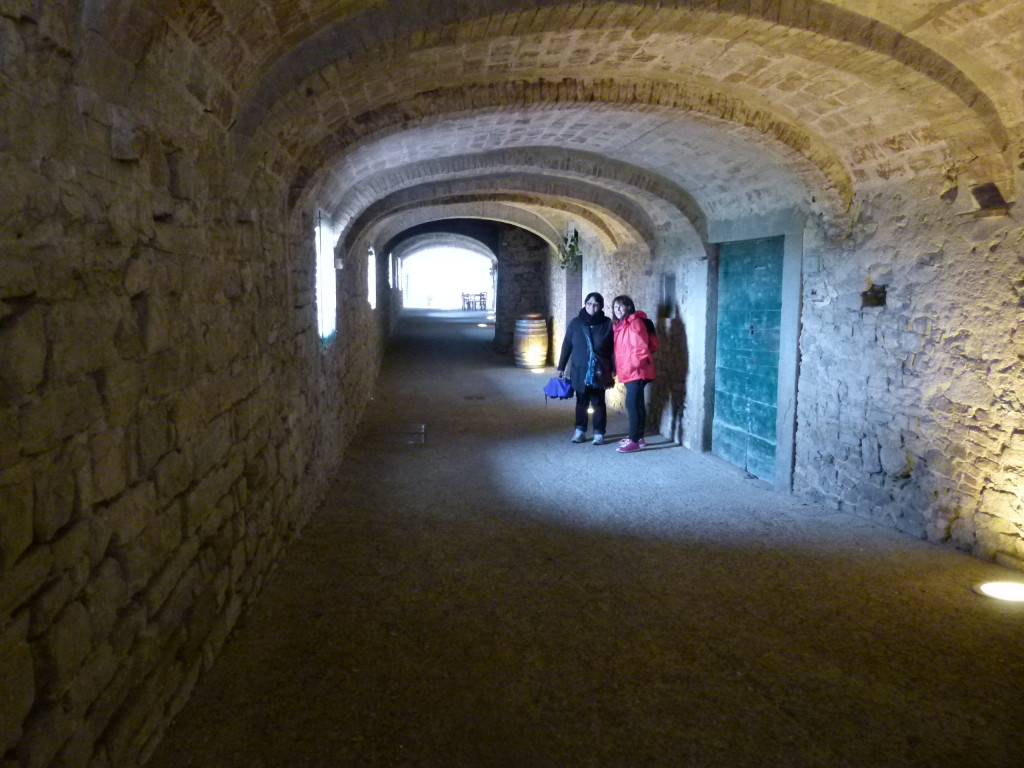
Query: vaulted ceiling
638, 119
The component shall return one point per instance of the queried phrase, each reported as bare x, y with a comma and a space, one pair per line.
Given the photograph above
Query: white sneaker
579, 436
598, 438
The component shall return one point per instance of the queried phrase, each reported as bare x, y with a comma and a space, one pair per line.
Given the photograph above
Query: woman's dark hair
596, 296
626, 302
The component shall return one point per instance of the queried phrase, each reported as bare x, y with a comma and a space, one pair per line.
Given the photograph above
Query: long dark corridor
484, 593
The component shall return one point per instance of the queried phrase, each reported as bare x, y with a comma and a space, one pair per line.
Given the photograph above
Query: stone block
136, 564
12, 47
103, 708
213, 444
97, 673
869, 454
23, 350
880, 273
111, 74
120, 386
182, 181
24, 578
49, 603
78, 750
56, 23
17, 279
54, 495
894, 460
129, 515
163, 536
17, 683
45, 733
989, 543
173, 474
127, 139
170, 576
75, 351
131, 621
65, 647
109, 469
993, 520
170, 372
203, 499
16, 514
104, 595
59, 413
154, 322
154, 437
76, 547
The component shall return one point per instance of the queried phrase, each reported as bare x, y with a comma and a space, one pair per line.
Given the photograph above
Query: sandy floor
497, 596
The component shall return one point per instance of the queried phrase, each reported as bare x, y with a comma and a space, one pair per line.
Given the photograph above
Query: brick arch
262, 61
612, 234
406, 26
617, 218
530, 218
776, 118
811, 157
421, 242
660, 200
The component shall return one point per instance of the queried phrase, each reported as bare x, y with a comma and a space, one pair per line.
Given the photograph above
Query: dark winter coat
599, 327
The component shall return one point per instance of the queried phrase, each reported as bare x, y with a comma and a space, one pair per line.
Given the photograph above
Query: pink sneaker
628, 447
641, 442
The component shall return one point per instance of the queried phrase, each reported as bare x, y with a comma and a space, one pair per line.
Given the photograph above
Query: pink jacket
634, 349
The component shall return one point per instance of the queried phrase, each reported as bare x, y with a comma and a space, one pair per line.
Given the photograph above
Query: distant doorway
448, 278
750, 288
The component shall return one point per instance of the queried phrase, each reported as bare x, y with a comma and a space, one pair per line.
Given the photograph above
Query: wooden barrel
530, 341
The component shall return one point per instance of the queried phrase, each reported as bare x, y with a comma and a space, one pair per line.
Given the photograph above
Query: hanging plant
569, 254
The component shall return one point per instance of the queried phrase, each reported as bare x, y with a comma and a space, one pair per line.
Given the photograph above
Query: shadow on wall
668, 390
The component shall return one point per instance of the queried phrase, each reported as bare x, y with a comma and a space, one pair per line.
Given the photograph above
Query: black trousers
585, 398
636, 408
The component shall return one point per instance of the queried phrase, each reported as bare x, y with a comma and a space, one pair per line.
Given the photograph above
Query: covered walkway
477, 591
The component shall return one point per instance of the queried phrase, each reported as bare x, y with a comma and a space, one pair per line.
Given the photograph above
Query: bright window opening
326, 280
371, 279
442, 278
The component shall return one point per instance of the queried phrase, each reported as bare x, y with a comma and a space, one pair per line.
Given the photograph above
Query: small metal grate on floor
400, 434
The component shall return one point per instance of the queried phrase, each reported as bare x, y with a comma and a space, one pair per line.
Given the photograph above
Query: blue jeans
636, 408
585, 398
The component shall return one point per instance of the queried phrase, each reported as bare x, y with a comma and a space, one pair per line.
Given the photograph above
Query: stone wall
911, 412
169, 416
565, 292
522, 282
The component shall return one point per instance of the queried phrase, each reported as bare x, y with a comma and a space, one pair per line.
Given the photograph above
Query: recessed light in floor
1011, 591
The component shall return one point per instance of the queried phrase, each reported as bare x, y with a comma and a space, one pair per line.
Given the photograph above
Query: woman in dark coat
588, 341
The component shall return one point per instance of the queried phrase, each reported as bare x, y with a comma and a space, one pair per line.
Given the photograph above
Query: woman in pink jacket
635, 345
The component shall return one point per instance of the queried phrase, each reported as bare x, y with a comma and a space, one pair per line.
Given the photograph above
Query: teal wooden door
747, 354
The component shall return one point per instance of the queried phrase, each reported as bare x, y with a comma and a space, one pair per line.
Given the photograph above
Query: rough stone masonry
170, 415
